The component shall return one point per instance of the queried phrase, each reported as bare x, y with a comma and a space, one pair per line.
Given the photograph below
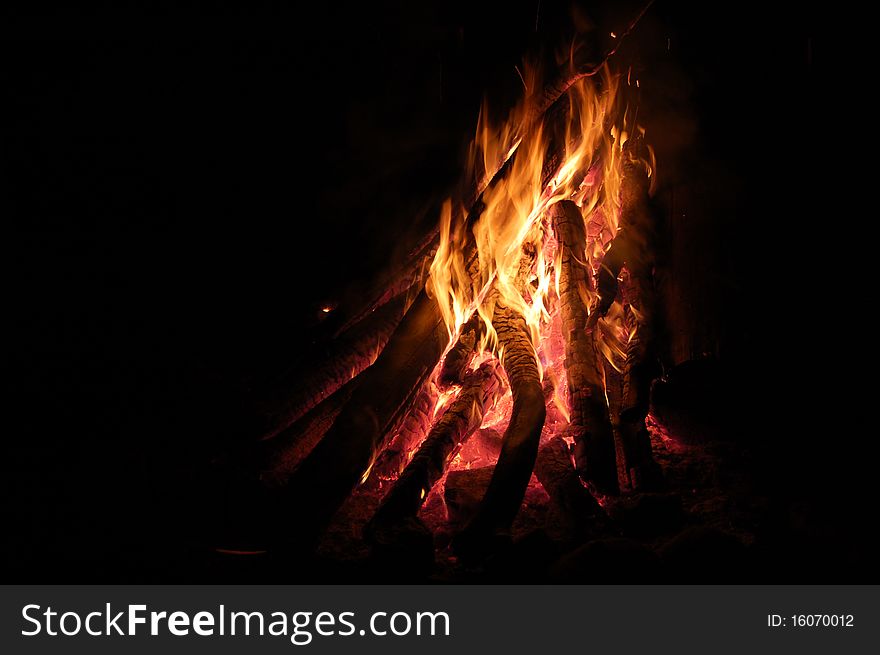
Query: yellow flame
590, 171
445, 397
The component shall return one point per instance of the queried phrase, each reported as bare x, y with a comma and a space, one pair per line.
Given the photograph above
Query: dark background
183, 189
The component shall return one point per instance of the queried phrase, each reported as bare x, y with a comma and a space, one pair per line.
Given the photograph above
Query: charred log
634, 248
590, 424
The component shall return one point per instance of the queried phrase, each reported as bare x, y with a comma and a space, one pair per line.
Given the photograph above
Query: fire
444, 398
580, 158
503, 250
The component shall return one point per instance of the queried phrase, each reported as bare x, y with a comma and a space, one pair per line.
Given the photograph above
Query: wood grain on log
590, 424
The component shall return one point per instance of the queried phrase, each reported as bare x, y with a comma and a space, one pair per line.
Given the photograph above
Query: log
290, 396
458, 357
575, 70
415, 426
480, 390
577, 510
280, 456
634, 247
490, 527
590, 423
405, 280
639, 227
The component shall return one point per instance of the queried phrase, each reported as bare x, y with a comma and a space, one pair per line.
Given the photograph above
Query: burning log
520, 446
415, 425
590, 424
460, 354
480, 390
633, 247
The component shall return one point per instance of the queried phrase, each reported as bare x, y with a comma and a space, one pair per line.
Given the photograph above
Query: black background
183, 188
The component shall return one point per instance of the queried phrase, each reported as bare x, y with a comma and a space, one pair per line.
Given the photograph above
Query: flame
515, 208
445, 397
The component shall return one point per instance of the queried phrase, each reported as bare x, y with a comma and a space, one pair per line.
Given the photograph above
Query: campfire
511, 359
459, 292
